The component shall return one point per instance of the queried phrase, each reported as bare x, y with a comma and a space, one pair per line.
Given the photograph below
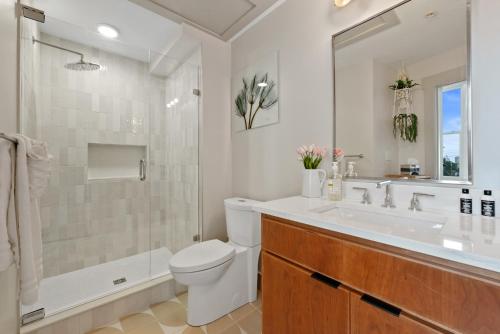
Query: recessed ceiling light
341, 3
107, 31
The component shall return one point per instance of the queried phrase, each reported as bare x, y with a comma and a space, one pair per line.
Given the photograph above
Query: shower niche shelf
110, 161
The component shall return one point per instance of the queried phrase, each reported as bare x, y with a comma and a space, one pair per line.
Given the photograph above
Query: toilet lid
202, 256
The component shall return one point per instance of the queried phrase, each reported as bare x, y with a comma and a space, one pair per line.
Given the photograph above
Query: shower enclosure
121, 122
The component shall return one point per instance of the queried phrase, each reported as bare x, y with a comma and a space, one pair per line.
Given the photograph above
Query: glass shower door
174, 158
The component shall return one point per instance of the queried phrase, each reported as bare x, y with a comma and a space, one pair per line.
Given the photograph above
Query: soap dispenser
335, 185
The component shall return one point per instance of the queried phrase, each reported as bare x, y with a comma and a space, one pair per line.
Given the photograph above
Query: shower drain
120, 280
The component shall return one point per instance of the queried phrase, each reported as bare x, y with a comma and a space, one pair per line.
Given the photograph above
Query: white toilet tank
243, 224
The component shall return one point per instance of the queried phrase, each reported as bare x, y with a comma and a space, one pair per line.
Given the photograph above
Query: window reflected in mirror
453, 131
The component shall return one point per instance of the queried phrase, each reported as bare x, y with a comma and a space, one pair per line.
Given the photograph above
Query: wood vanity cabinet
367, 317
317, 281
301, 302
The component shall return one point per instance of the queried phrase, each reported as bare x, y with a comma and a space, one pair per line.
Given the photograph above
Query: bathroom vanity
348, 268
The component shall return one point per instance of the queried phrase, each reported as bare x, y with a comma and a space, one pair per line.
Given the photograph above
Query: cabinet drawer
453, 300
370, 318
456, 301
310, 249
297, 301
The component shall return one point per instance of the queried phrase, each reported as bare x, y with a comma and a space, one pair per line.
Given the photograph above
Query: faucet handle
366, 195
418, 194
415, 200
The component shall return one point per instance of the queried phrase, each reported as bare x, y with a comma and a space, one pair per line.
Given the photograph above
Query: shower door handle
142, 170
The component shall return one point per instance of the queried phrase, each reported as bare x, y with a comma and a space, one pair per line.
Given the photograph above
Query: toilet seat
202, 256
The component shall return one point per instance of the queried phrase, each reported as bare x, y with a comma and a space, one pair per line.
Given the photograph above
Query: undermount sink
393, 221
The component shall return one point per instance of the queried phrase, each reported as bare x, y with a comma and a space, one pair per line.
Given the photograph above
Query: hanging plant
404, 121
406, 126
403, 83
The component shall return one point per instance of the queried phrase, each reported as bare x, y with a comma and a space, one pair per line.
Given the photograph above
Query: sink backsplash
446, 198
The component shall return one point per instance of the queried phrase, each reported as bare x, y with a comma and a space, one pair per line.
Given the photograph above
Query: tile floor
170, 318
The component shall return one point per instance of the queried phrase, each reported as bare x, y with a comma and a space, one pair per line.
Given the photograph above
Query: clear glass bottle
335, 191
351, 172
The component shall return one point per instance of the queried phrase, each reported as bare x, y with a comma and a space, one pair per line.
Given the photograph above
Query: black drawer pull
381, 305
325, 279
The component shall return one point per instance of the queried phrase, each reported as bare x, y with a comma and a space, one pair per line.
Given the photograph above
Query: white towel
32, 171
7, 241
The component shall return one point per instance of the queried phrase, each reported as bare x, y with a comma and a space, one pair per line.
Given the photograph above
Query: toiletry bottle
466, 202
335, 191
330, 189
350, 169
488, 204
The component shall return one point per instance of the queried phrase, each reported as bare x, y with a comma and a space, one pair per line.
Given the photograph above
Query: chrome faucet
415, 204
366, 195
388, 202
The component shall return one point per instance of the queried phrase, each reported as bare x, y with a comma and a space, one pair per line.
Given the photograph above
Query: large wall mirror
402, 93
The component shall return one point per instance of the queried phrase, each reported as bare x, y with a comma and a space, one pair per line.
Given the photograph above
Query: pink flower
338, 154
319, 152
311, 155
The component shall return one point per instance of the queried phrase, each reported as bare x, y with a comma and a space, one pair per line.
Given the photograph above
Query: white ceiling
216, 15
414, 38
221, 18
140, 29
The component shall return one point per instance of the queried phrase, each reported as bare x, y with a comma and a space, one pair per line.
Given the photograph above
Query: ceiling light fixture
107, 31
341, 3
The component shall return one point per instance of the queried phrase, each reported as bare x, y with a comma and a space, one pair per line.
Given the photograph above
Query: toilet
221, 277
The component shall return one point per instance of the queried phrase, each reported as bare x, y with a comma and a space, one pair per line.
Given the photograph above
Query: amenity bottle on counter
466, 202
488, 204
351, 172
335, 185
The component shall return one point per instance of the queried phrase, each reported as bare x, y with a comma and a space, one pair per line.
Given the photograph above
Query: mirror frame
431, 182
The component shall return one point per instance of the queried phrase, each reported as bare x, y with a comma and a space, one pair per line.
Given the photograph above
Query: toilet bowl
221, 277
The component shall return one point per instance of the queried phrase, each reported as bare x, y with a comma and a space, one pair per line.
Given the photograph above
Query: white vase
313, 181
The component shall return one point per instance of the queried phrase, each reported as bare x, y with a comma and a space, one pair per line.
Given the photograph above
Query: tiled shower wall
91, 222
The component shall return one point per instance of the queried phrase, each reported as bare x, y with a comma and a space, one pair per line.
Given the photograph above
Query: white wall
264, 162
386, 155
8, 66
8, 123
355, 86
215, 141
485, 100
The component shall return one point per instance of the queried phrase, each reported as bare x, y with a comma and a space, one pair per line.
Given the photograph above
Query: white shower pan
68, 290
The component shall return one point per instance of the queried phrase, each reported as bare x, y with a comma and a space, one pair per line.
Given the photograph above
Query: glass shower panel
174, 157
95, 212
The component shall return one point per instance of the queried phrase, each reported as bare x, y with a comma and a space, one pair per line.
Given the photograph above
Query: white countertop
471, 240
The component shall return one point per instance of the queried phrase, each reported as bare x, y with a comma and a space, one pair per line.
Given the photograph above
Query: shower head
81, 65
